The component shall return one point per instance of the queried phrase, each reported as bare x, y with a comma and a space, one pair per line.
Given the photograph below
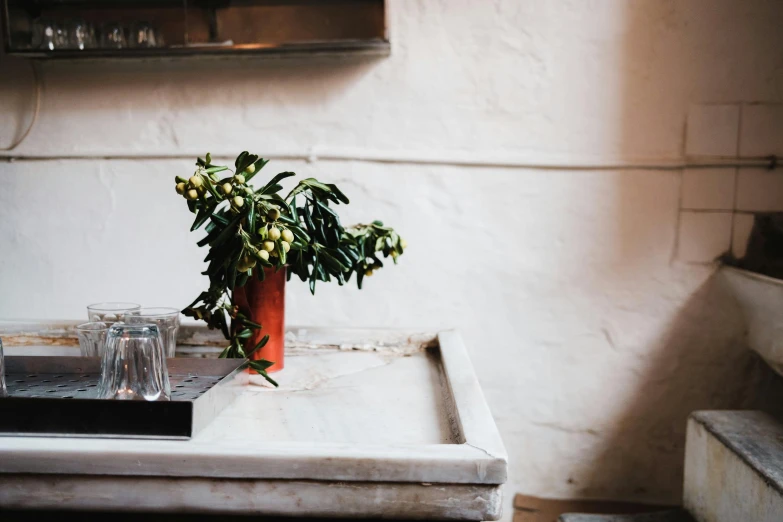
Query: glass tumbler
3, 391
111, 313
167, 321
92, 338
133, 366
113, 36
142, 35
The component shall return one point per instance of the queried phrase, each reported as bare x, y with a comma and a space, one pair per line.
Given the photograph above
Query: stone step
734, 467
670, 515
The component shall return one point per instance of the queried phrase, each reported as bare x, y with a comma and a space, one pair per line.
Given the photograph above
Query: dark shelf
331, 48
198, 27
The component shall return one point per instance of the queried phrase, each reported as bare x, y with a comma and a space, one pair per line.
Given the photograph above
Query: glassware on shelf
133, 366
142, 35
92, 338
111, 313
82, 35
3, 391
44, 35
167, 321
113, 36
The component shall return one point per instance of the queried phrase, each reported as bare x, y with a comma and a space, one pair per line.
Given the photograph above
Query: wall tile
703, 236
712, 130
743, 224
711, 189
761, 132
760, 190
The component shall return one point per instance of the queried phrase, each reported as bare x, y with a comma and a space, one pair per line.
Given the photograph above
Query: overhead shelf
89, 29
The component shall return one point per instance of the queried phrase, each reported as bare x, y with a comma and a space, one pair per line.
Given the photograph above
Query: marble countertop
374, 408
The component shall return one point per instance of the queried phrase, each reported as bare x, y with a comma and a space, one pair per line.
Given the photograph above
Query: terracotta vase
264, 303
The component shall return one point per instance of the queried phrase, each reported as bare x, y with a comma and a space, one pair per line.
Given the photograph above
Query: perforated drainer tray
57, 396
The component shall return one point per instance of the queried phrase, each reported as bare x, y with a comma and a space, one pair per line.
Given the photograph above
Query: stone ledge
734, 467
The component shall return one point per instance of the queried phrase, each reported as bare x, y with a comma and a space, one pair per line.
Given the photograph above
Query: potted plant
259, 239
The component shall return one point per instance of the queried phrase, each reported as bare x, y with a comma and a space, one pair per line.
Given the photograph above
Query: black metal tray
57, 397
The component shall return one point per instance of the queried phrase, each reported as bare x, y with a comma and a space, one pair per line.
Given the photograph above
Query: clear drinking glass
3, 391
167, 321
142, 35
111, 313
44, 35
92, 338
133, 366
82, 35
113, 36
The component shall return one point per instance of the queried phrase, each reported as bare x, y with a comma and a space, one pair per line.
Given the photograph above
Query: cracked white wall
591, 344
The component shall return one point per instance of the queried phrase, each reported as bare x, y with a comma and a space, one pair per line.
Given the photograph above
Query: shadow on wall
165, 87
694, 366
701, 361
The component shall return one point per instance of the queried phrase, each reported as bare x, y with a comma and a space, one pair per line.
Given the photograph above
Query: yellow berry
239, 178
263, 254
180, 188
238, 201
274, 233
195, 181
287, 236
227, 188
368, 272
403, 243
250, 169
285, 245
269, 246
273, 214
192, 194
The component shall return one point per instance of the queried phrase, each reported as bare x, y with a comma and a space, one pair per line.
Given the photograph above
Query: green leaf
245, 334
313, 277
270, 189
251, 216
337, 192
254, 365
259, 165
232, 271
280, 252
240, 159
332, 261
212, 170
201, 218
244, 320
274, 181
215, 232
263, 364
260, 345
220, 220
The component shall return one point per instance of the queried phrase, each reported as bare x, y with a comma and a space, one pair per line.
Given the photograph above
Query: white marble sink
364, 424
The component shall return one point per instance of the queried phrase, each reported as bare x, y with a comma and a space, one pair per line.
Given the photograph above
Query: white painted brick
711, 189
712, 130
760, 190
761, 132
703, 236
743, 224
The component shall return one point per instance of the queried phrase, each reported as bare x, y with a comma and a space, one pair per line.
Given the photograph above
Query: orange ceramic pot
264, 303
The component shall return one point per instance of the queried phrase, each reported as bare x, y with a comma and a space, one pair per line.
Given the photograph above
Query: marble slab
760, 298
734, 467
393, 415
